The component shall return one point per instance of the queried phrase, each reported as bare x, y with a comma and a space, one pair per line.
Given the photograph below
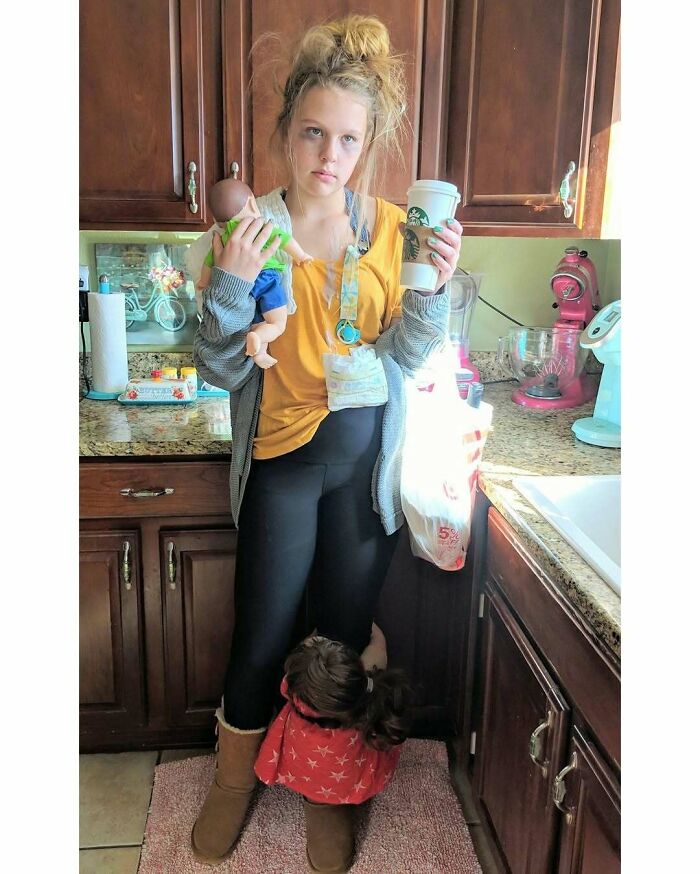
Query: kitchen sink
585, 510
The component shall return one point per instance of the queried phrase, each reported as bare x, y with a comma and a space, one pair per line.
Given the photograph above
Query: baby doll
232, 200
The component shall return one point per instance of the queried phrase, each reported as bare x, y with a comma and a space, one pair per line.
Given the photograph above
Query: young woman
310, 487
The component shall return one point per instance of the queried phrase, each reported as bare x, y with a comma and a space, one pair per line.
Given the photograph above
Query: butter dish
156, 391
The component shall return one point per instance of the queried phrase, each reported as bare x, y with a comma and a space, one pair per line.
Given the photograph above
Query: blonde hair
354, 54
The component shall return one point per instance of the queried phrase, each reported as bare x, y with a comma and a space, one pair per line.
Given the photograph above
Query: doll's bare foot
263, 360
253, 344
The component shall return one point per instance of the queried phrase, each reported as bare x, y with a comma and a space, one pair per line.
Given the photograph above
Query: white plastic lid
435, 185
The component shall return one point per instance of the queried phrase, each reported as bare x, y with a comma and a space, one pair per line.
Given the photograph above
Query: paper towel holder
94, 394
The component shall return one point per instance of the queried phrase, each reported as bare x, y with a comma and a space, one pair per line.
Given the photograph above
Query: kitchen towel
110, 371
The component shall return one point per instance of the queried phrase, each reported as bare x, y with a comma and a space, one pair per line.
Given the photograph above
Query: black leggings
308, 508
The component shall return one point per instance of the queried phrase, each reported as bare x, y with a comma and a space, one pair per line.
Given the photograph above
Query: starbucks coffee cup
430, 203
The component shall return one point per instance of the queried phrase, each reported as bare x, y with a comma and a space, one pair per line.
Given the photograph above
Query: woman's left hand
447, 246
446, 243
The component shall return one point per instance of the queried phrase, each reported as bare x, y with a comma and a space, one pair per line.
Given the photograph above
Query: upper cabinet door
142, 113
529, 110
251, 113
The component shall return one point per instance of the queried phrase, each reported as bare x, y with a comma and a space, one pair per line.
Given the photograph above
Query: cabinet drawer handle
192, 187
565, 191
126, 565
559, 789
172, 570
537, 744
145, 493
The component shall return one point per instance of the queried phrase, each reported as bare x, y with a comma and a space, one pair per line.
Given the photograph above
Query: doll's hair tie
370, 684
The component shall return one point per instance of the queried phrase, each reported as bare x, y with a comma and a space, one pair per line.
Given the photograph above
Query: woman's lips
324, 177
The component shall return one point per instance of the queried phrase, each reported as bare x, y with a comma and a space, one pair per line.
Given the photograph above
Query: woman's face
326, 139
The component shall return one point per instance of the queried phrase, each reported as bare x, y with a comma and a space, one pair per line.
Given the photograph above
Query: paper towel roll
110, 371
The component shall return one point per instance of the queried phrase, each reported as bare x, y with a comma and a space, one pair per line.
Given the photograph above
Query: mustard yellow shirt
294, 398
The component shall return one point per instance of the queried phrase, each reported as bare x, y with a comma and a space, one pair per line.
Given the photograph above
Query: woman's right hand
243, 253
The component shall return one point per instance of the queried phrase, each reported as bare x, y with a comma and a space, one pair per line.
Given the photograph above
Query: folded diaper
355, 380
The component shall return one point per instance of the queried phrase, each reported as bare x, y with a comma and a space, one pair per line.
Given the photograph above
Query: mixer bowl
545, 361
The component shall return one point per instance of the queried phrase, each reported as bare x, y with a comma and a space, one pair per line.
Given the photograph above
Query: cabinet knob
126, 565
559, 788
192, 187
172, 570
234, 169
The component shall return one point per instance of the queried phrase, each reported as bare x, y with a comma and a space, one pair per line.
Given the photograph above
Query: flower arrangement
168, 278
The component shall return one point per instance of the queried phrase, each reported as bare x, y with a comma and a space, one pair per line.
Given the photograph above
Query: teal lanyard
345, 330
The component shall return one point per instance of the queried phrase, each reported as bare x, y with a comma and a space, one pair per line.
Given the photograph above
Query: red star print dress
327, 765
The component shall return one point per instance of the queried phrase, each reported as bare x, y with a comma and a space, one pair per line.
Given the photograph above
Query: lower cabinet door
520, 744
110, 668
197, 578
588, 795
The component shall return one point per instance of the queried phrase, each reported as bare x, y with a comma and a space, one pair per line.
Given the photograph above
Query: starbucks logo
417, 216
411, 245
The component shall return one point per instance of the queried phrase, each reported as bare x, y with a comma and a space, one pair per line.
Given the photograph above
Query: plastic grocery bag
443, 444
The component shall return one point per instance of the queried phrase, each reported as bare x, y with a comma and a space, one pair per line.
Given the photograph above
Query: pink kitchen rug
415, 826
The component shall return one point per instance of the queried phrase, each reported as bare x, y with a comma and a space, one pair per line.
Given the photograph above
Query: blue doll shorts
268, 292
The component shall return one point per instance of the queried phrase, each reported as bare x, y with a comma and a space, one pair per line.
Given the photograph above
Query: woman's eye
313, 130
350, 138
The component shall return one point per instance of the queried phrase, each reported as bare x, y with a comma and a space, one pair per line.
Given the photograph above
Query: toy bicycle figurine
232, 200
167, 310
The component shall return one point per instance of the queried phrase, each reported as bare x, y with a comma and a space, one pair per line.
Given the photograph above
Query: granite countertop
523, 441
108, 428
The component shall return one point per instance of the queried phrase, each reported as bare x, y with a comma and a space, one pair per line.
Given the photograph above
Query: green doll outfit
272, 263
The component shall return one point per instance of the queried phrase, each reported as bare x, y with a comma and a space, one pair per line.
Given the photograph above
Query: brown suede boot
221, 818
329, 837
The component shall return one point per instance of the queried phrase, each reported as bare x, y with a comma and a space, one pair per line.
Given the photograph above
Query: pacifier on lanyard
345, 330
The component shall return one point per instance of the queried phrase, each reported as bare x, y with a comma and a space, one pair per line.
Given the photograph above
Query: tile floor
115, 794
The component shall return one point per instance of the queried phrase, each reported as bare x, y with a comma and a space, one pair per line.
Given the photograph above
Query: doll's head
329, 678
229, 197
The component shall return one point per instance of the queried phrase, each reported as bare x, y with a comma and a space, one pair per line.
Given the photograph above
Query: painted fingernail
438, 229
432, 241
451, 221
433, 254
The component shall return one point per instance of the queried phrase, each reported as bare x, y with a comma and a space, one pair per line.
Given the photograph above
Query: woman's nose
328, 153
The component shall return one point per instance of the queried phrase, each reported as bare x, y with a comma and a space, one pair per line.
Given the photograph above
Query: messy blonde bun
353, 53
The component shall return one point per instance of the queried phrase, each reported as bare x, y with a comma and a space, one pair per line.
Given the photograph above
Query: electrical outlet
83, 306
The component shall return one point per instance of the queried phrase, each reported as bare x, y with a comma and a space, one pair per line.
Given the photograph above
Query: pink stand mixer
549, 362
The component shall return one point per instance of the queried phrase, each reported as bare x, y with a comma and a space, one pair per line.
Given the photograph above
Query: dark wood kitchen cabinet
422, 612
111, 639
197, 571
170, 632
530, 105
247, 132
590, 802
149, 112
521, 743
168, 618
501, 98
540, 740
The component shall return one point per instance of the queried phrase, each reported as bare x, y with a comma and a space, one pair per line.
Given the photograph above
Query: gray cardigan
219, 355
